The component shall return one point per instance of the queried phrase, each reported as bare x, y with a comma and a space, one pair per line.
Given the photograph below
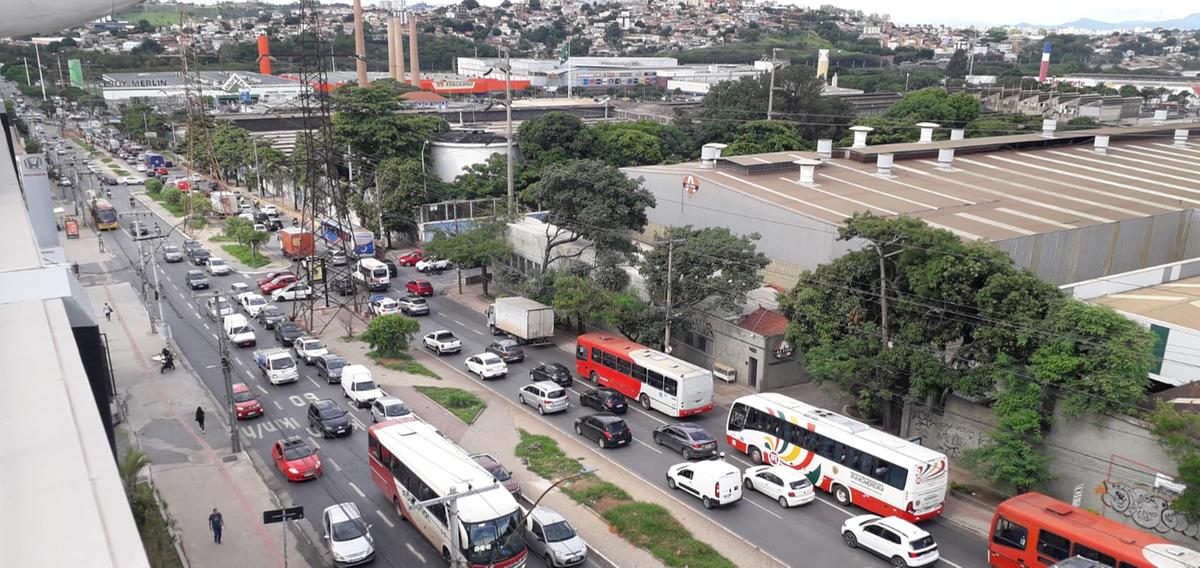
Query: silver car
552, 538
546, 396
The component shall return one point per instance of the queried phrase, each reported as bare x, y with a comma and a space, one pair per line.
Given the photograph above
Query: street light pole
508, 121
670, 281
771, 91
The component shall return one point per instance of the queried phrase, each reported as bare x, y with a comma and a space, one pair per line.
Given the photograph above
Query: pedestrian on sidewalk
217, 524
108, 311
200, 417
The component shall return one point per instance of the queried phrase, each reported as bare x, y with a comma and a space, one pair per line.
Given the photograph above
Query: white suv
899, 541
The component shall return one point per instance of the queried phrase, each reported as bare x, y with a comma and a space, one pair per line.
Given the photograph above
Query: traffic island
404, 363
463, 404
645, 525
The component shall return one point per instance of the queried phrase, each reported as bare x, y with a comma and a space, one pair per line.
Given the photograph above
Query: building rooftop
764, 322
175, 79
1176, 303
997, 188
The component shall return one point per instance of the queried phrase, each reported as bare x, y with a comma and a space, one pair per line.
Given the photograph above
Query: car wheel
841, 495
850, 540
671, 483
756, 456
657, 439
783, 502
600, 442
708, 504
541, 410
645, 400
578, 430
747, 484
687, 454
898, 562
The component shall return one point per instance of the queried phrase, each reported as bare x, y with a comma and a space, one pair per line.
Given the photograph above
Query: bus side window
896, 476
737, 417
1010, 534
1053, 546
597, 355
624, 367
670, 386
1091, 554
639, 372
373, 446
581, 353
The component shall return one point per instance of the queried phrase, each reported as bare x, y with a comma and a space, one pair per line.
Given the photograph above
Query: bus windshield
482, 539
105, 215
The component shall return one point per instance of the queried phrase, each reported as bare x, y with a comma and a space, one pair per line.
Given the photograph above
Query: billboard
76, 72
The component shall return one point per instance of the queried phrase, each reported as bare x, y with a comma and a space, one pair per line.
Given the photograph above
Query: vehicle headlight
293, 471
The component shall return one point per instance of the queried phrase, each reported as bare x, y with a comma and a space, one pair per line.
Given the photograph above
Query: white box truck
526, 320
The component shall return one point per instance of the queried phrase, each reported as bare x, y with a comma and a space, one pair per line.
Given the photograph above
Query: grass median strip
405, 364
246, 255
463, 404
646, 525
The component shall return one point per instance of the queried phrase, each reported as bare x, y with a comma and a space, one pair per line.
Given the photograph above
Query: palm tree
130, 465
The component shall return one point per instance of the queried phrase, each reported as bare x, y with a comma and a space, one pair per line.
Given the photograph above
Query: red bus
1033, 530
656, 380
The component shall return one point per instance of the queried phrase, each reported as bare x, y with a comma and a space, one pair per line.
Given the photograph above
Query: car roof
343, 512
389, 400
195, 273
786, 472
239, 387
332, 357
546, 516
721, 467
489, 358
547, 385
506, 342
292, 441
903, 527
606, 390
607, 417
690, 427
324, 403
485, 460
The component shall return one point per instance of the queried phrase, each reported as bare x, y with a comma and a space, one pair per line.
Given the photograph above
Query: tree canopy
707, 265
552, 137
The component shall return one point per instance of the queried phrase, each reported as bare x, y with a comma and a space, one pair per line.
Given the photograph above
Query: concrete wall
1112, 248
1116, 460
735, 346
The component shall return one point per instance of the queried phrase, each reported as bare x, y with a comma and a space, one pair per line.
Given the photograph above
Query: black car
287, 332
342, 286
508, 350
325, 415
689, 440
196, 280
107, 180
200, 256
557, 373
330, 367
391, 266
605, 428
189, 245
270, 316
604, 399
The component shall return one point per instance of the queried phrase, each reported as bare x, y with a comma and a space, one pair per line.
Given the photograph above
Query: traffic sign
280, 515
691, 184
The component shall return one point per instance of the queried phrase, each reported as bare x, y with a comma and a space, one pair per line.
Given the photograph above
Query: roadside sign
279, 515
1077, 498
691, 184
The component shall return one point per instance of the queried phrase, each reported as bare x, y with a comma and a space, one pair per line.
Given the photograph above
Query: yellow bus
104, 215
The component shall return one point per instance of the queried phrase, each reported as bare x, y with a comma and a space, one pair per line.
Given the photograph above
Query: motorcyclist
157, 229
109, 192
168, 360
132, 201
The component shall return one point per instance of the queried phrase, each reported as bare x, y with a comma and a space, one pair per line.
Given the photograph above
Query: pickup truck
442, 342
277, 365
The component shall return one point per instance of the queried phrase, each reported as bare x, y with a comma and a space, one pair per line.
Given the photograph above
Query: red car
296, 459
410, 258
162, 171
245, 405
273, 275
282, 281
419, 287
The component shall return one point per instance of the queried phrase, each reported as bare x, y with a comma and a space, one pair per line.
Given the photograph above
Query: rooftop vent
1049, 125
1101, 144
946, 159
808, 170
958, 133
825, 149
860, 136
1181, 137
710, 152
883, 165
927, 131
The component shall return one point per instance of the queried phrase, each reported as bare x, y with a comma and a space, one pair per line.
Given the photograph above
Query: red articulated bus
654, 379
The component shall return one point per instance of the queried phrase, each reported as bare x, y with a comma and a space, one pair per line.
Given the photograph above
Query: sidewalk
191, 471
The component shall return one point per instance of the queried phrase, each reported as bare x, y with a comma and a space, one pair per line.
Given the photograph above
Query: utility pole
28, 81
771, 91
257, 168
235, 440
670, 282
508, 121
38, 55
61, 81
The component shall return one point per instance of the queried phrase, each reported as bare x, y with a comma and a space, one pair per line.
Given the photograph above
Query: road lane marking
205, 324
477, 332
356, 489
461, 323
409, 546
315, 384
389, 523
264, 391
277, 405
769, 512
314, 442
656, 450
251, 375
333, 463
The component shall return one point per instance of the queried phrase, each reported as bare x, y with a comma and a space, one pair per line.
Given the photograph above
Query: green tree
489, 179
255, 239
236, 227
144, 26
763, 136
1013, 457
935, 104
173, 196
369, 121
154, 186
578, 297
586, 199
634, 318
198, 205
709, 265
552, 137
389, 335
957, 68
1179, 434
139, 119
624, 144
403, 183
477, 247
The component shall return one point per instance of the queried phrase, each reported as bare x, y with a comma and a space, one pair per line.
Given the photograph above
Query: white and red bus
656, 380
877, 471
1036, 530
411, 462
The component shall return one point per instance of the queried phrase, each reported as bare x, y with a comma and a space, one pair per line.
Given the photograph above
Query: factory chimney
823, 63
264, 55
398, 45
391, 41
414, 62
1045, 63
360, 44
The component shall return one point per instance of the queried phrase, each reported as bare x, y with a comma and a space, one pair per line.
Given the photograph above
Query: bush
235, 228
153, 186
173, 196
389, 335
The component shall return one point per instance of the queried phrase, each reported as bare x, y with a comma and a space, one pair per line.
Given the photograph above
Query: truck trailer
526, 320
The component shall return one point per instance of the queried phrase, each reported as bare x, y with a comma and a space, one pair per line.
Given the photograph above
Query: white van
372, 274
359, 386
238, 331
715, 482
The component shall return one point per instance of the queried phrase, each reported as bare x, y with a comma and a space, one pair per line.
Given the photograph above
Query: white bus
858, 464
372, 274
411, 462
654, 379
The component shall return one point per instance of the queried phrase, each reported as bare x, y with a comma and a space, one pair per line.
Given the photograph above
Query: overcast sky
964, 12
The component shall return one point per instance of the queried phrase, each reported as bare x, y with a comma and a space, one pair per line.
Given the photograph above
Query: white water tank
451, 152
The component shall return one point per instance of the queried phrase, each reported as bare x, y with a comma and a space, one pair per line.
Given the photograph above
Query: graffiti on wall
1147, 508
948, 438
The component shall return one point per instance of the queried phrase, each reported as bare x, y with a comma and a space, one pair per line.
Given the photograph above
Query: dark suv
200, 256
325, 415
558, 373
604, 399
508, 350
605, 428
330, 367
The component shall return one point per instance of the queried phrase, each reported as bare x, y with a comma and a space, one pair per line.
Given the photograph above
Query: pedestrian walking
108, 311
200, 417
217, 524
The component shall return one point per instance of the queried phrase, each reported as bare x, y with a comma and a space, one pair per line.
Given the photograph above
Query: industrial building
224, 87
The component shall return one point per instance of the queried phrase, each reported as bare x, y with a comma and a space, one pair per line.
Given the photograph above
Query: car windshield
348, 530
483, 538
299, 451
416, 301
312, 345
243, 396
216, 262
222, 305
241, 330
271, 311
556, 394
558, 532
364, 385
195, 276
610, 396
699, 435
170, 249
397, 410
490, 360
614, 427
335, 363
256, 300
331, 412
799, 483
282, 363
556, 371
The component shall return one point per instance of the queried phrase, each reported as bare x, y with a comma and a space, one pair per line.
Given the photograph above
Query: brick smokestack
264, 55
414, 62
360, 44
1045, 63
391, 43
398, 46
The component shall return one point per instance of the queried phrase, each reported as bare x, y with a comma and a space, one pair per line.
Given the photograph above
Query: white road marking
205, 324
333, 463
389, 523
264, 391
315, 383
769, 512
460, 323
477, 332
277, 405
356, 489
251, 375
944, 561
409, 546
314, 443
656, 450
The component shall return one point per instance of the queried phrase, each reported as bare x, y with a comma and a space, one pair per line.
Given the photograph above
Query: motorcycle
168, 362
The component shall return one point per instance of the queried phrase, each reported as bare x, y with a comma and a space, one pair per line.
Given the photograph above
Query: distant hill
1191, 22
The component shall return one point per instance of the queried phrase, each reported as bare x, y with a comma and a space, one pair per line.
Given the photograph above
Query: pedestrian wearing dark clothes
217, 524
108, 311
200, 417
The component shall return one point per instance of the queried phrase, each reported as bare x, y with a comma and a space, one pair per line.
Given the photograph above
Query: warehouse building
223, 87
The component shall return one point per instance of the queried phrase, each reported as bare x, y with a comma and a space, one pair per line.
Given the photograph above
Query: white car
217, 267
714, 482
294, 291
237, 289
383, 305
348, 534
430, 264
218, 308
196, 177
141, 167
442, 342
269, 209
252, 303
388, 408
790, 487
132, 180
308, 349
546, 396
487, 366
897, 540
